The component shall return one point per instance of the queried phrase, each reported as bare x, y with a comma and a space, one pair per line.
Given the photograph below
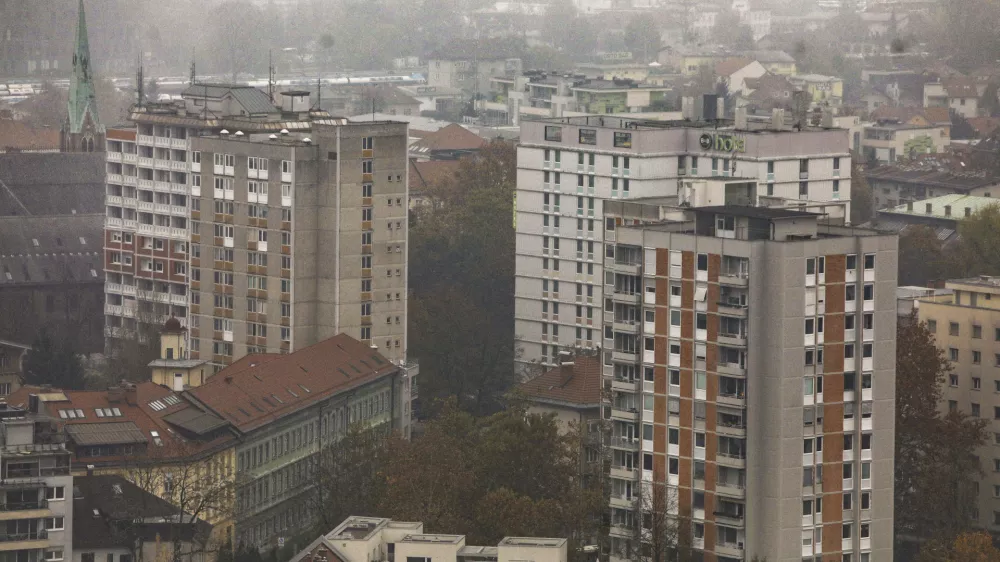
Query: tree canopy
935, 457
462, 281
510, 473
54, 362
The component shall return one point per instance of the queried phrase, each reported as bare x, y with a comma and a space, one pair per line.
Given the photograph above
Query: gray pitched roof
254, 101
69, 248
113, 433
52, 183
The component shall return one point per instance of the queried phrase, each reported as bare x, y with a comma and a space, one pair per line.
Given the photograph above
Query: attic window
171, 400
156, 438
93, 272
58, 241
279, 400
157, 405
292, 392
303, 388
83, 241
35, 241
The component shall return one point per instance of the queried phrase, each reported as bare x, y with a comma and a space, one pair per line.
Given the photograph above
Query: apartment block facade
36, 520
966, 326
299, 240
568, 168
262, 228
748, 356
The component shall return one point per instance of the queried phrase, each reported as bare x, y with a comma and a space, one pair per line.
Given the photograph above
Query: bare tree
136, 344
199, 488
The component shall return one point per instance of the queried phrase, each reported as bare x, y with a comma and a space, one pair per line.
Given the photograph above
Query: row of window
954, 329
253, 162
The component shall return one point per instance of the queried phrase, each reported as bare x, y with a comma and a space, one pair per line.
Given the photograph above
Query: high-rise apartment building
748, 354
568, 168
37, 494
262, 228
965, 321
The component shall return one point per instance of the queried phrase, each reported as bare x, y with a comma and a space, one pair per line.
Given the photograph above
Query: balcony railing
23, 506
39, 535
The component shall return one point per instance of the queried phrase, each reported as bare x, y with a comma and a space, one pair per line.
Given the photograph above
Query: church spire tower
82, 129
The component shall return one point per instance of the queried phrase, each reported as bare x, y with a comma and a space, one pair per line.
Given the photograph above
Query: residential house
734, 73
941, 213
767, 92
425, 174
920, 116
886, 142
363, 539
894, 185
777, 62
468, 65
449, 143
571, 391
115, 520
824, 90
435, 98
984, 126
960, 94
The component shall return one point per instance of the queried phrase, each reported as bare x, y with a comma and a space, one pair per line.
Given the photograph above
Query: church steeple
82, 131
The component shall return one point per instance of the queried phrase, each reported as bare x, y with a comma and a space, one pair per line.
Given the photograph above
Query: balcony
733, 339
624, 473
114, 156
731, 429
734, 550
626, 298
732, 490
623, 267
181, 144
734, 278
731, 460
729, 518
732, 399
622, 385
625, 443
629, 415
622, 501
732, 307
145, 139
625, 356
734, 369
626, 326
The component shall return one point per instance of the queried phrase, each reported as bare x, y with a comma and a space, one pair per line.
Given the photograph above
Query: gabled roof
577, 385
319, 544
960, 87
51, 249
772, 56
424, 173
984, 125
114, 433
728, 66
452, 137
107, 500
52, 183
254, 101
250, 394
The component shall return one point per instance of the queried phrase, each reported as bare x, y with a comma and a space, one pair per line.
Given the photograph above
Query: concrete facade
753, 351
569, 168
966, 326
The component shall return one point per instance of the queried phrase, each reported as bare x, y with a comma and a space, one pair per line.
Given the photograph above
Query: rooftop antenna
270, 76
319, 93
194, 74
140, 82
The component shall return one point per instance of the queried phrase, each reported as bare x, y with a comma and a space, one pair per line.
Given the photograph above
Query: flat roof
756, 212
537, 542
726, 126
433, 538
987, 281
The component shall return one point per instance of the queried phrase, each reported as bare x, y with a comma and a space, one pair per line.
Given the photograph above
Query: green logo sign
722, 143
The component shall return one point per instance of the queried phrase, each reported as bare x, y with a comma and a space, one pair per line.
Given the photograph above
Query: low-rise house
887, 142
571, 391
364, 539
959, 94
921, 185
12, 356
116, 521
425, 174
735, 72
448, 143
827, 90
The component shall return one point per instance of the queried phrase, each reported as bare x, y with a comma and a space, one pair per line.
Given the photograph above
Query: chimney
687, 108
130, 394
778, 118
741, 118
826, 121
115, 395
90, 470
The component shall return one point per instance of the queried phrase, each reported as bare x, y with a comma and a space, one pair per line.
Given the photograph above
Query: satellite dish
223, 132
307, 140
284, 131
273, 137
238, 134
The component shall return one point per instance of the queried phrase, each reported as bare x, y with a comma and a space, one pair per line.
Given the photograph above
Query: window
953, 329
869, 262
367, 143
977, 332
56, 554
932, 327
55, 493
367, 167
54, 523
553, 133
977, 357
622, 140
852, 262
953, 354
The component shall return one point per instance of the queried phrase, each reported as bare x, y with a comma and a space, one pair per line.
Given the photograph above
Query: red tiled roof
937, 115
578, 384
960, 87
21, 136
135, 408
249, 394
450, 137
731, 65
984, 125
430, 172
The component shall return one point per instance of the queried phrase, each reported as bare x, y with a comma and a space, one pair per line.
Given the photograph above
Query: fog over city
499, 281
